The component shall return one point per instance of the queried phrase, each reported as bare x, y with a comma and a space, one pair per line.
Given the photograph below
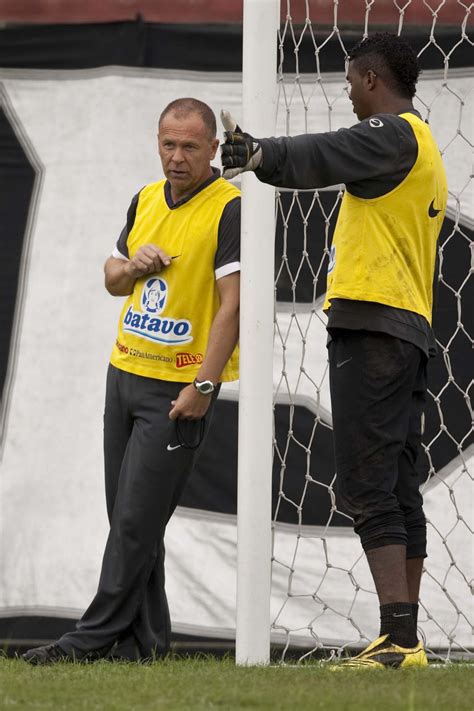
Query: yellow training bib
164, 325
384, 249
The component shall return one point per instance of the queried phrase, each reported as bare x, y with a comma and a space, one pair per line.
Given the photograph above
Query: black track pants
144, 479
378, 386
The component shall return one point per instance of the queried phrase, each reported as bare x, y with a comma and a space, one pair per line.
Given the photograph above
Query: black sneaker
49, 654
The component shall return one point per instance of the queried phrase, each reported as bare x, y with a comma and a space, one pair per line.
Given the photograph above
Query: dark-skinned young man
379, 308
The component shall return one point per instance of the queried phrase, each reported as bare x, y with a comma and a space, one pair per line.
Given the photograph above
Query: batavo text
143, 322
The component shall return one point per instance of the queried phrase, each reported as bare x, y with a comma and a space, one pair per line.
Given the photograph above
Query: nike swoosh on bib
432, 211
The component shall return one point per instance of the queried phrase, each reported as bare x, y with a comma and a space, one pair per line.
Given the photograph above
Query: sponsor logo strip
184, 359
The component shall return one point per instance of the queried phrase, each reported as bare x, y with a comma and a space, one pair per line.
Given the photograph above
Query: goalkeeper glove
239, 152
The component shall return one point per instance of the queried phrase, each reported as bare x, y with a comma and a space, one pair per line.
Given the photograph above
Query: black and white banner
76, 145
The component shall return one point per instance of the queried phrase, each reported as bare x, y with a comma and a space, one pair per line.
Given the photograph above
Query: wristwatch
205, 387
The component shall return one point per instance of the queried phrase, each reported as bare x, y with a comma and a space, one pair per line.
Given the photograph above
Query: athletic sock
396, 620
414, 612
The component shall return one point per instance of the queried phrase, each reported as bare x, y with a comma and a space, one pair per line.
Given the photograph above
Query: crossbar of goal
259, 74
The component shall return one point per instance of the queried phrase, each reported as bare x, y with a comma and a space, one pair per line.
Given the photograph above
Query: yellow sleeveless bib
164, 325
384, 249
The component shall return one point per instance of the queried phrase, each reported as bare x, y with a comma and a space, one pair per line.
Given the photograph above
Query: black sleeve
228, 237
131, 214
379, 152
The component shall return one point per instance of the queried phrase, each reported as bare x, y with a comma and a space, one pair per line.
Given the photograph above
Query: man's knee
376, 511
380, 529
384, 523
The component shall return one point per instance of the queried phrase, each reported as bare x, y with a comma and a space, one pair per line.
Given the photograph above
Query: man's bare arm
223, 338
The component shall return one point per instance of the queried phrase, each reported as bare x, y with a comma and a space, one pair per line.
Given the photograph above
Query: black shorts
378, 386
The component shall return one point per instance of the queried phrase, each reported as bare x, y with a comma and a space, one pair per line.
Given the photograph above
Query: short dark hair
392, 58
183, 107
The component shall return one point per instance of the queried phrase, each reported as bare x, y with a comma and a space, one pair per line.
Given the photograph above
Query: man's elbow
117, 290
229, 316
115, 280
108, 278
109, 287
231, 308
234, 315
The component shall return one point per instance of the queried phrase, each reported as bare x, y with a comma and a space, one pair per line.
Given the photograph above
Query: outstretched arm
370, 149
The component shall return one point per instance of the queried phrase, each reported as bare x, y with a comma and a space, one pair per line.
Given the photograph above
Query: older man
177, 260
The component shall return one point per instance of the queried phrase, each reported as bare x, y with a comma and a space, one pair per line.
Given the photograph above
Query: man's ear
371, 79
214, 147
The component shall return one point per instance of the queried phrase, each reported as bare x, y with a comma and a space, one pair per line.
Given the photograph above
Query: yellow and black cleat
383, 654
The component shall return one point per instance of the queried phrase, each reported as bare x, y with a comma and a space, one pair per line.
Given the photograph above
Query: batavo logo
184, 359
166, 330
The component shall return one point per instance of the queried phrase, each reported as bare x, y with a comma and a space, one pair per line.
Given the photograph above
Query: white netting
323, 595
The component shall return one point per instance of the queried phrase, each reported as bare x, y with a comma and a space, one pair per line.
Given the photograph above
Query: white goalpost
321, 596
256, 343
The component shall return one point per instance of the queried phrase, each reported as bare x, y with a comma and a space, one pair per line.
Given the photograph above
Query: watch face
206, 387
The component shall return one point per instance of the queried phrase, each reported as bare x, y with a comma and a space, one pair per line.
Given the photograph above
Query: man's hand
148, 259
239, 152
190, 404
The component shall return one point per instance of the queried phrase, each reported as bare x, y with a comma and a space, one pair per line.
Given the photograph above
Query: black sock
397, 620
414, 612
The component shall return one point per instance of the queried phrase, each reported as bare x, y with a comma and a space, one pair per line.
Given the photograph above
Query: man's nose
177, 155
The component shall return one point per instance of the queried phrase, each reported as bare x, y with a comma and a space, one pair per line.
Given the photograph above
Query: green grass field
208, 683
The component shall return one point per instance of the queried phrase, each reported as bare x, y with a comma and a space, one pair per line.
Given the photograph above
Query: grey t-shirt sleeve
227, 258
121, 245
371, 158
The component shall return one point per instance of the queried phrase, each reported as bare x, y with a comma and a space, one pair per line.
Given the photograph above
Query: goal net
323, 597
